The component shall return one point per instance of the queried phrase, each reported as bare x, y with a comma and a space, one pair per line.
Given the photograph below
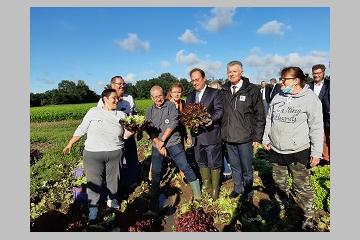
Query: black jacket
244, 117
267, 93
212, 100
324, 97
274, 90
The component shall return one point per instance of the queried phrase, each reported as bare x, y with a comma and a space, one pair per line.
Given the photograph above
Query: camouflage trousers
303, 193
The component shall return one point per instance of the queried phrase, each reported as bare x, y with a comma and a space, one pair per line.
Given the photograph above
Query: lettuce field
52, 205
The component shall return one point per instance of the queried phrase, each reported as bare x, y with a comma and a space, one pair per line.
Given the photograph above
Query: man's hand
209, 123
314, 161
267, 147
159, 143
163, 151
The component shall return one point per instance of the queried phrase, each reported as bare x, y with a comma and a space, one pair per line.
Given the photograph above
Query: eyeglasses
284, 79
120, 84
317, 73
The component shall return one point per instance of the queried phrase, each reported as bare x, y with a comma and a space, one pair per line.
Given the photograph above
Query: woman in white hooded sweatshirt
293, 136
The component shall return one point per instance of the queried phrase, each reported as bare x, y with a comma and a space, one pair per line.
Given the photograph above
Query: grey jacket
167, 116
295, 123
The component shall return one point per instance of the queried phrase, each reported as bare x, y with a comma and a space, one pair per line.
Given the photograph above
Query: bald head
157, 95
155, 90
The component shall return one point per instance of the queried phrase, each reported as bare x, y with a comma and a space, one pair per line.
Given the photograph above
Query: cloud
273, 28
220, 18
269, 65
133, 43
130, 78
210, 67
189, 59
101, 83
165, 64
192, 61
189, 37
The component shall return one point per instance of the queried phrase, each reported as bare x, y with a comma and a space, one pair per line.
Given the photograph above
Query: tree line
72, 92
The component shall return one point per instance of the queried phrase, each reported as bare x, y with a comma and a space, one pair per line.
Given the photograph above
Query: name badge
242, 98
167, 121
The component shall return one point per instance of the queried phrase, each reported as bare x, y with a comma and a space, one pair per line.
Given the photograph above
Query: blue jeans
240, 158
227, 168
177, 154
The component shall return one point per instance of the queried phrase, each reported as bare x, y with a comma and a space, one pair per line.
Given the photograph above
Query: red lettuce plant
195, 117
195, 220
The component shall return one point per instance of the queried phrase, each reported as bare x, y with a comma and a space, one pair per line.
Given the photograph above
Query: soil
259, 215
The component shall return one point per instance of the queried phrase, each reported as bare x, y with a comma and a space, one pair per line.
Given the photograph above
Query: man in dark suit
275, 88
265, 96
207, 143
321, 87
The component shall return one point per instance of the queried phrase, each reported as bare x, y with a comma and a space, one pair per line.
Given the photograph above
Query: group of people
292, 121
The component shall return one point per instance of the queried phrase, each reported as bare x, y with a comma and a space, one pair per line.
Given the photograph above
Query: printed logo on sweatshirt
286, 114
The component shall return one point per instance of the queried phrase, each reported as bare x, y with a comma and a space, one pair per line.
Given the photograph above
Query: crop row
72, 111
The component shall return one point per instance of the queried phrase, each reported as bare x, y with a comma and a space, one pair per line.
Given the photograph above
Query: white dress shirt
317, 87
199, 95
263, 93
238, 86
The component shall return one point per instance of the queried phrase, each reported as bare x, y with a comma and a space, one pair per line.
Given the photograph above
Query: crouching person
166, 141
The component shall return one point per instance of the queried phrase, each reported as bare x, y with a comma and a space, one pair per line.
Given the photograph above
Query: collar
238, 85
202, 91
319, 84
162, 106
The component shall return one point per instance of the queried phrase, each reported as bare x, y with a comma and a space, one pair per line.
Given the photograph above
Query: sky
96, 43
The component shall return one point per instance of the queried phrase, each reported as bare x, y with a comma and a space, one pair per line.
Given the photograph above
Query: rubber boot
215, 179
195, 187
206, 180
154, 201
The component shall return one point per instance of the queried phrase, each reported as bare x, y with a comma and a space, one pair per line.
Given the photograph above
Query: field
52, 180
72, 111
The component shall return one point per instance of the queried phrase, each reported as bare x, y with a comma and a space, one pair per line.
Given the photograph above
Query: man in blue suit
207, 143
321, 87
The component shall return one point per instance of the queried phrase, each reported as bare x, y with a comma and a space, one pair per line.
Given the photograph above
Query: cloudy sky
94, 44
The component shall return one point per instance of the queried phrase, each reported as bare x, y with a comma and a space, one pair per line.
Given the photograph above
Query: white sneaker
113, 203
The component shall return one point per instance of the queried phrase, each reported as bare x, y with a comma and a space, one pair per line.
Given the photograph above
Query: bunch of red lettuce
195, 220
195, 117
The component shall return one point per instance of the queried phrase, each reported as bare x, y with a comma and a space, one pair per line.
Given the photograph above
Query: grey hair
232, 63
154, 88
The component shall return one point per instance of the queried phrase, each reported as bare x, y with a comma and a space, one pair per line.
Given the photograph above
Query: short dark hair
197, 70
318, 66
297, 72
107, 93
115, 77
273, 79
